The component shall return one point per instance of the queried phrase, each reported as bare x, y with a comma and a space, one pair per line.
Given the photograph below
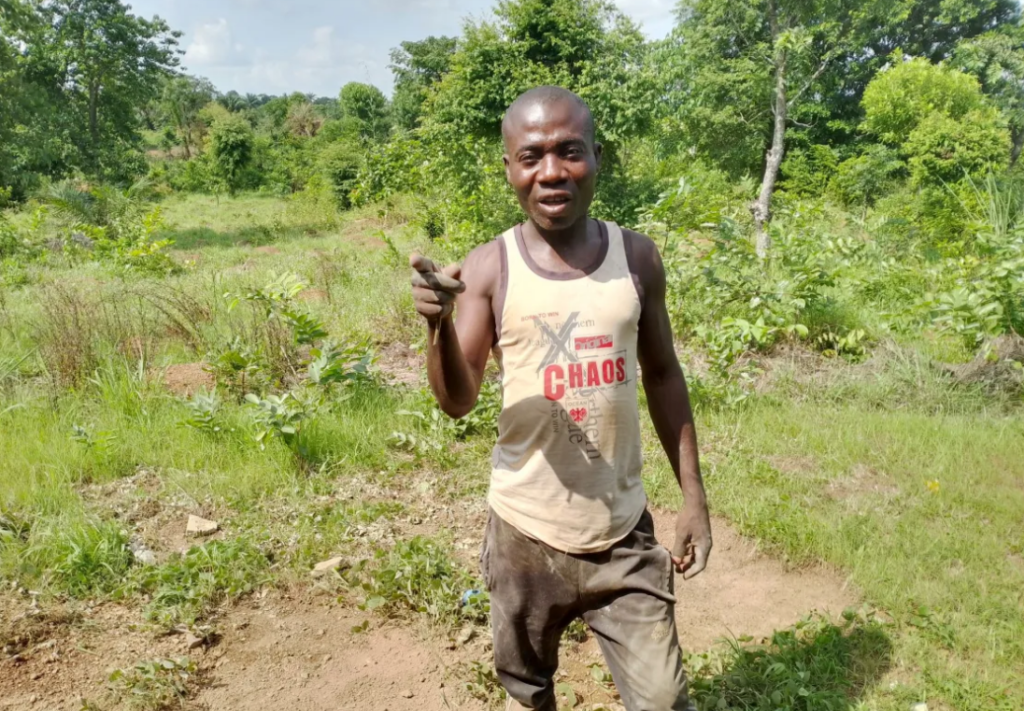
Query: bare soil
298, 649
401, 364
304, 655
186, 379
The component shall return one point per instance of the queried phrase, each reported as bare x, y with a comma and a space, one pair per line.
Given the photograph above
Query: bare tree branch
814, 77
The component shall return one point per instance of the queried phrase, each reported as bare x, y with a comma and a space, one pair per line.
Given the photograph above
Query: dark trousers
624, 594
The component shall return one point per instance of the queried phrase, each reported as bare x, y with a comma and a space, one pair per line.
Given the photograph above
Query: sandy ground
298, 650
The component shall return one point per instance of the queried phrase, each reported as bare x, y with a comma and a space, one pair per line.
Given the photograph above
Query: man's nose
552, 169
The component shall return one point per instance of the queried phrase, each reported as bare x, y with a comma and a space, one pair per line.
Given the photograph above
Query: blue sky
263, 46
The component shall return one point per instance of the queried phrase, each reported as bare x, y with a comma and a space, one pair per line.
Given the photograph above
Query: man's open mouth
555, 203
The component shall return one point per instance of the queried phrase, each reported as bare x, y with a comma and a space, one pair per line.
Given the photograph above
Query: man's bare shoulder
481, 270
643, 256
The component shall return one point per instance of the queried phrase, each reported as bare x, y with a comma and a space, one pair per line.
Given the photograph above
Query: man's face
551, 162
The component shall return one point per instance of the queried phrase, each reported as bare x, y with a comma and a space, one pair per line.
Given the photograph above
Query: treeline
904, 101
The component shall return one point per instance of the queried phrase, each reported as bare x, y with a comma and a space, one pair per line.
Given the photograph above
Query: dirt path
299, 651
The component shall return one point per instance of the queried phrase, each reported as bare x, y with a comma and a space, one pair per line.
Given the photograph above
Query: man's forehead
545, 121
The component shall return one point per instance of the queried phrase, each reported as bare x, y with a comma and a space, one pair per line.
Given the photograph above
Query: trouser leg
633, 617
534, 596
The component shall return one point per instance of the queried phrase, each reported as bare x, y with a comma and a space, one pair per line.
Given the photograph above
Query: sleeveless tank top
566, 467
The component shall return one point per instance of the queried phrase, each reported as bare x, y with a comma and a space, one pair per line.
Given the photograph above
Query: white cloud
321, 65
321, 51
212, 45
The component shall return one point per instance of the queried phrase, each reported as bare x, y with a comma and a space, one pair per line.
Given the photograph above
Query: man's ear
598, 152
508, 173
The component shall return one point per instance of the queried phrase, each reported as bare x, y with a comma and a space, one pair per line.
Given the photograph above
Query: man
569, 306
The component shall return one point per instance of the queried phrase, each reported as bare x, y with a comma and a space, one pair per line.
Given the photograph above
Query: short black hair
547, 95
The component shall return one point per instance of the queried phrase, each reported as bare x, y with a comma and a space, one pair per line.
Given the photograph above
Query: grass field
911, 489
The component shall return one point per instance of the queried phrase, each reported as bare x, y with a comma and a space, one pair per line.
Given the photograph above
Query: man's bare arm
457, 351
669, 403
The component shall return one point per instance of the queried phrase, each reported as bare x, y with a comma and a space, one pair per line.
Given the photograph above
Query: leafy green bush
898, 99
231, 149
860, 181
10, 242
938, 118
980, 294
943, 149
698, 200
341, 163
807, 171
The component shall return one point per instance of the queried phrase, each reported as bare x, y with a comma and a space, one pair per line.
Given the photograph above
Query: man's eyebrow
575, 141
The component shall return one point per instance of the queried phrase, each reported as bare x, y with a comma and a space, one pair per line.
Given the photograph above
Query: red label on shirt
591, 343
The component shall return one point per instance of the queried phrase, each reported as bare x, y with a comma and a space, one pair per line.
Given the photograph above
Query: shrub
943, 150
898, 99
231, 150
340, 163
861, 180
698, 199
807, 171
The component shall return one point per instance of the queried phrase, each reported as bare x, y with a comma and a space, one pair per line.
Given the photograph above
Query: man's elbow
455, 410
661, 376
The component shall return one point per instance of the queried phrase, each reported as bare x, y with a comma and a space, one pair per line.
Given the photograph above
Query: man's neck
569, 239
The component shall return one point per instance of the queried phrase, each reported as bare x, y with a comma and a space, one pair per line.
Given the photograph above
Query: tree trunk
762, 207
94, 129
1018, 144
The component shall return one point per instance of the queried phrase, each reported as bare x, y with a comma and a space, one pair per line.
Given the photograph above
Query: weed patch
188, 588
78, 558
419, 576
154, 685
813, 666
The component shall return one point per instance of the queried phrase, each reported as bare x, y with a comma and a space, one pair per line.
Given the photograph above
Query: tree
775, 52
20, 98
109, 62
586, 46
937, 117
233, 101
745, 72
367, 107
304, 119
903, 96
182, 99
231, 149
997, 60
417, 67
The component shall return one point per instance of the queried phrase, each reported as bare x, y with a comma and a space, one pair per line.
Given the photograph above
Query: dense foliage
796, 161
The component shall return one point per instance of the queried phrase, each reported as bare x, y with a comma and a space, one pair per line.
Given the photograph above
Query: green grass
906, 484
418, 576
922, 512
815, 665
152, 685
187, 588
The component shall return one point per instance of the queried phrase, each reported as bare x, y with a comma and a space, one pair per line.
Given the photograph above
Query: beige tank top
566, 467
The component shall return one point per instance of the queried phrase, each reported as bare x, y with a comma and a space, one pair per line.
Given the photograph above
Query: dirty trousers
624, 594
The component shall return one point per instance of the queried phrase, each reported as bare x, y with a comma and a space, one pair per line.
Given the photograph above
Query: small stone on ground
200, 526
326, 566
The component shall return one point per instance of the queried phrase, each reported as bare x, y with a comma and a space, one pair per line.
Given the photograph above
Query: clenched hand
434, 290
693, 540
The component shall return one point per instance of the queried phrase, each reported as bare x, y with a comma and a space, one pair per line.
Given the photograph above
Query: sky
317, 46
